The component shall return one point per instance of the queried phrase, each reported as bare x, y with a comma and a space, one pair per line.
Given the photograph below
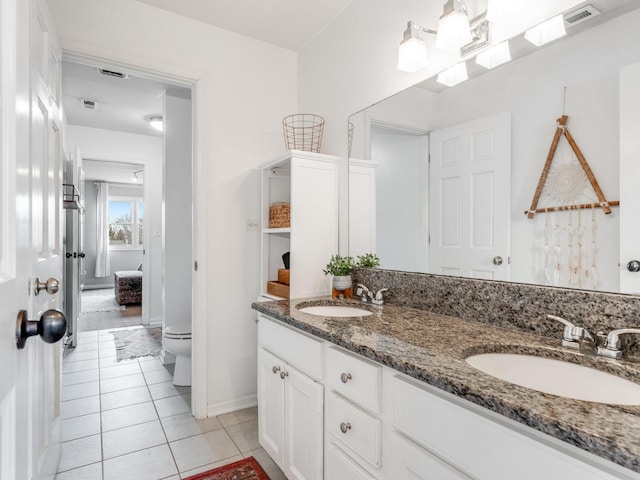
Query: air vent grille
89, 104
580, 15
112, 73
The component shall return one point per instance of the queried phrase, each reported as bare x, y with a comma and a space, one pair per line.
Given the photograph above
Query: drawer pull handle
345, 427
284, 374
275, 369
345, 377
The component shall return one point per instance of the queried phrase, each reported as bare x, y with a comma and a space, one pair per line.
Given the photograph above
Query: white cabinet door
303, 427
470, 198
271, 405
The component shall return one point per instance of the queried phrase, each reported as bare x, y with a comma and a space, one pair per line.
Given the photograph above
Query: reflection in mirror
412, 211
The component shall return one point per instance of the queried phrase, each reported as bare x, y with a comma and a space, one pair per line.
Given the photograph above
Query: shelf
272, 297
277, 230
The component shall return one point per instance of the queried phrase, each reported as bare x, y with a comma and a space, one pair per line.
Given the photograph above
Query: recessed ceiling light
156, 122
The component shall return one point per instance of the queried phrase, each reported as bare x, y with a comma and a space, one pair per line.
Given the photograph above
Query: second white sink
558, 378
335, 311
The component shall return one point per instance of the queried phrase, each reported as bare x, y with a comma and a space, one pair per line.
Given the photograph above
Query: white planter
342, 282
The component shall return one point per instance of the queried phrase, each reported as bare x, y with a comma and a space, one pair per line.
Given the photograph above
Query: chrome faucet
364, 292
573, 336
379, 299
612, 347
368, 296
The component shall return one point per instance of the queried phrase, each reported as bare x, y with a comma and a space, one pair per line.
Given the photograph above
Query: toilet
176, 339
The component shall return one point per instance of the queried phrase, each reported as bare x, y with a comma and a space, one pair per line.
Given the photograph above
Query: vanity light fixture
156, 122
453, 75
546, 31
456, 33
454, 30
412, 53
494, 56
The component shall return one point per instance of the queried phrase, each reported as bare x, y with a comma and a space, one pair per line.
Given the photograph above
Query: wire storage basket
303, 131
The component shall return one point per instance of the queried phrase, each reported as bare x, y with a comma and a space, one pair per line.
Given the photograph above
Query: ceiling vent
580, 15
112, 73
89, 104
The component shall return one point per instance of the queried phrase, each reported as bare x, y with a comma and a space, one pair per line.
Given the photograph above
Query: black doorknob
633, 266
68, 254
81, 254
51, 327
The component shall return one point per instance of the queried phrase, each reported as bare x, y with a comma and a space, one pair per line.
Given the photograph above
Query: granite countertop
432, 348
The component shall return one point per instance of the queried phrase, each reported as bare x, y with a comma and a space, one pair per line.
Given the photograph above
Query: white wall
244, 88
109, 145
178, 221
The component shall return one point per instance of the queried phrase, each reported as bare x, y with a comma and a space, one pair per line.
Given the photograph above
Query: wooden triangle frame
602, 201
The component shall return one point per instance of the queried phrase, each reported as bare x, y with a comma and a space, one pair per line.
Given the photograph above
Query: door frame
93, 56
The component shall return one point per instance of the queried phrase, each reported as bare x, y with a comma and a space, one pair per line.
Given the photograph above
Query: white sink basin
336, 311
558, 378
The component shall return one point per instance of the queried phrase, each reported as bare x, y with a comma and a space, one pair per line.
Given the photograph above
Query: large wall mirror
440, 177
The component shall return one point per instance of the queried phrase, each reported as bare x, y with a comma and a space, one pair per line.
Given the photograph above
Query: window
126, 216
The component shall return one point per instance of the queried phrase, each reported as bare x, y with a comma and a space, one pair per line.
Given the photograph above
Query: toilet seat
180, 331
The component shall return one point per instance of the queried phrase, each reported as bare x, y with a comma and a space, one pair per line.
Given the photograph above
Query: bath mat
100, 303
246, 469
138, 342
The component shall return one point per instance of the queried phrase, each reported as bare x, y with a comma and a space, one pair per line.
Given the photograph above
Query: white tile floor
126, 420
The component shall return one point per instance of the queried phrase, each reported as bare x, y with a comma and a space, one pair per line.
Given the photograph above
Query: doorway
112, 117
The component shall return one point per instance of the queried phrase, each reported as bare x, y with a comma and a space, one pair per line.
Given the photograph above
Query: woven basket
280, 215
303, 131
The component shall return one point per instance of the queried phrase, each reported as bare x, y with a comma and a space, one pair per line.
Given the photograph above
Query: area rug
138, 342
100, 303
246, 469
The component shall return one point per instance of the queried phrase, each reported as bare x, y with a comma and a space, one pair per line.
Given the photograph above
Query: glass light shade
453, 75
453, 32
412, 55
546, 31
156, 122
494, 56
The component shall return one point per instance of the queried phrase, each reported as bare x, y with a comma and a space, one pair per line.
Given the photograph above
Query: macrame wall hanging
568, 236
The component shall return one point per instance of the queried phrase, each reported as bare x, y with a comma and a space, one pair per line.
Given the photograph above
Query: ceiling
113, 172
290, 24
123, 104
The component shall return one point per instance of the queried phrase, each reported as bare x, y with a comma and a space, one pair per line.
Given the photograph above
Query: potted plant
368, 260
340, 267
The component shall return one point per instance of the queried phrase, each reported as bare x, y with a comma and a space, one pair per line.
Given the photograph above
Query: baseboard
220, 408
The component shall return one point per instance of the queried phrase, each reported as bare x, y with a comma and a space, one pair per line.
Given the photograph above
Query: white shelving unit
309, 183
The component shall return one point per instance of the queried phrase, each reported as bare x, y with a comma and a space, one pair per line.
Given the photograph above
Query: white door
271, 405
470, 197
30, 237
303, 426
629, 173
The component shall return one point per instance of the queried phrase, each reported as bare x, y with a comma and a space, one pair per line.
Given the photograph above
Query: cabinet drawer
338, 466
410, 461
354, 378
477, 445
302, 352
362, 432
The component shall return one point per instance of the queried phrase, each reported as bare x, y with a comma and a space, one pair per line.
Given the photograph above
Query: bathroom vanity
390, 396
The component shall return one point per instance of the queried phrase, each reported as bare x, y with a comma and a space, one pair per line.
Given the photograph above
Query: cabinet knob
345, 377
284, 374
633, 266
275, 369
345, 427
